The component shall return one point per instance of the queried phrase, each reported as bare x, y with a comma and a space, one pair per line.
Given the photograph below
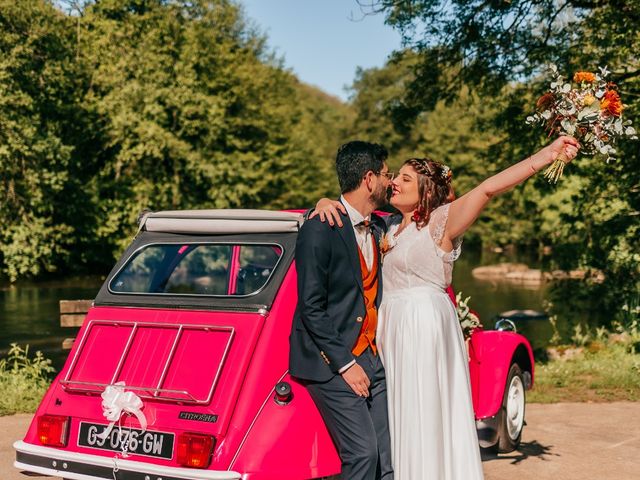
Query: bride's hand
328, 211
564, 144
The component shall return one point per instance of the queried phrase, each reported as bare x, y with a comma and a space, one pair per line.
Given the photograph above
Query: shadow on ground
524, 451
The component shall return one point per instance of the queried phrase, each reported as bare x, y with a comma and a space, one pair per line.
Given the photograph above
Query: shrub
599, 366
23, 380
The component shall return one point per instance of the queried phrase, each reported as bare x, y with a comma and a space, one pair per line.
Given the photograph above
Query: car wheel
512, 413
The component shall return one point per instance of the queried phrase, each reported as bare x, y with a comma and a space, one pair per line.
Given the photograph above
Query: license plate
148, 443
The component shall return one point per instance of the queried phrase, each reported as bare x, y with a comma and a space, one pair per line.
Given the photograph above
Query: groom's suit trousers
358, 425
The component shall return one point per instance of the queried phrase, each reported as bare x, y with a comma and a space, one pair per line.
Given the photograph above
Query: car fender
491, 354
287, 441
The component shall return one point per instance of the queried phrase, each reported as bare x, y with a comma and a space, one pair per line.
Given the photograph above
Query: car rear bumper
80, 466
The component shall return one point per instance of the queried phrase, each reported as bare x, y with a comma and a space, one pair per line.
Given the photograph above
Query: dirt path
567, 441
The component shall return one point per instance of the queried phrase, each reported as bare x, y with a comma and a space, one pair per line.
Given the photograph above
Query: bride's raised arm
464, 211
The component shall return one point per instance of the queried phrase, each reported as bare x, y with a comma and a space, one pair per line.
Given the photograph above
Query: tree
39, 119
197, 113
491, 43
113, 106
499, 49
321, 124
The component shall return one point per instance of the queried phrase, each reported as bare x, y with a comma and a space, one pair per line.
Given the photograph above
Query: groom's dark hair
355, 159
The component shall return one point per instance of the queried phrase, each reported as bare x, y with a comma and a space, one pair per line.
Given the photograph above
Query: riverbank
600, 371
571, 441
522, 273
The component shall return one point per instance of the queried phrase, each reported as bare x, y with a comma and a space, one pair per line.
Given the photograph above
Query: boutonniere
387, 242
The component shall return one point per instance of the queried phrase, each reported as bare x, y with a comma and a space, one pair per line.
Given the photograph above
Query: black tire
512, 414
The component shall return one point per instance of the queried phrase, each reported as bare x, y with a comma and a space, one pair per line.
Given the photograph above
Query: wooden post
72, 313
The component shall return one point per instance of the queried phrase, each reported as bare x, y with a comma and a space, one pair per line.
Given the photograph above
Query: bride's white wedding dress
431, 419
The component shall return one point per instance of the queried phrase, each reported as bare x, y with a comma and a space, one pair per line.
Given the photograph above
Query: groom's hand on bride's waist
357, 379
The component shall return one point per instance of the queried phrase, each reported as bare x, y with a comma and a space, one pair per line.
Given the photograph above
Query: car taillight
194, 450
53, 430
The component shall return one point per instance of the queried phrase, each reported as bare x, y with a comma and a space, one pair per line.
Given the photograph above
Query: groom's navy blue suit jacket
331, 306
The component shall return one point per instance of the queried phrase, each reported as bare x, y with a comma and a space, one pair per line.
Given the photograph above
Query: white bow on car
115, 401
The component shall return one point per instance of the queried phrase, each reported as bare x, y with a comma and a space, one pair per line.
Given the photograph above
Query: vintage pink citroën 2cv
180, 368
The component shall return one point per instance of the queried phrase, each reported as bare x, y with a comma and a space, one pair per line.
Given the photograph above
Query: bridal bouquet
469, 321
590, 110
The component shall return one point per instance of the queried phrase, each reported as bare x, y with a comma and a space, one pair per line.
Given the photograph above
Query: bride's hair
434, 187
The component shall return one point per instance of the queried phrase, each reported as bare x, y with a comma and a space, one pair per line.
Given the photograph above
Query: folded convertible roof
230, 221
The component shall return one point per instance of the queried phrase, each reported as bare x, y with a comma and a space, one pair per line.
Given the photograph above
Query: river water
29, 311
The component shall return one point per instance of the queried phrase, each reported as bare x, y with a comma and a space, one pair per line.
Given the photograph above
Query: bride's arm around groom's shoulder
464, 211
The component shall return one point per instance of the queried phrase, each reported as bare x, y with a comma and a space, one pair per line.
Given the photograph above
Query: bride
431, 419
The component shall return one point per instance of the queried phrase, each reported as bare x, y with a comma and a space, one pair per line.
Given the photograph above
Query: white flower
569, 110
568, 127
468, 320
607, 150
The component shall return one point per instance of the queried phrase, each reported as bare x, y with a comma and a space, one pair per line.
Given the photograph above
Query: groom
333, 344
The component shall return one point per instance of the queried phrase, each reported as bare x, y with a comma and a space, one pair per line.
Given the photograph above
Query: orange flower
586, 77
611, 103
545, 101
385, 244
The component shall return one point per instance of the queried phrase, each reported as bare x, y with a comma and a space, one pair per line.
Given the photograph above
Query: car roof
229, 221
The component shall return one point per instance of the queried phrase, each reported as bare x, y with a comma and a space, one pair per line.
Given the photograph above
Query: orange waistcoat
367, 337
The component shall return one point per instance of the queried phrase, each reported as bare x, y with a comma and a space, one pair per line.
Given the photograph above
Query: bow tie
363, 224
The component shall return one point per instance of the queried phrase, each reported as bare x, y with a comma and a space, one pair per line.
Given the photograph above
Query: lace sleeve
437, 224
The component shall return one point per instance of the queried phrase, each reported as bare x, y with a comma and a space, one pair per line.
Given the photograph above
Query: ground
565, 441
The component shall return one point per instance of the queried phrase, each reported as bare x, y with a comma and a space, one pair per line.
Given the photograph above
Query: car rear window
217, 269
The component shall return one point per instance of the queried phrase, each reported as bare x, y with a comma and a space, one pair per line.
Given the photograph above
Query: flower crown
446, 173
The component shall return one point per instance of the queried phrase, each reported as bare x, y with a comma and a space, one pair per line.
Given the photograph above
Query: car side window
256, 265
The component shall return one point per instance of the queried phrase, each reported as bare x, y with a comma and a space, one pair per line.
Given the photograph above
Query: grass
604, 367
23, 380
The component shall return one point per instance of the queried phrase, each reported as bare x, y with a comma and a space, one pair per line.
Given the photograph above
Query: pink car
180, 368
